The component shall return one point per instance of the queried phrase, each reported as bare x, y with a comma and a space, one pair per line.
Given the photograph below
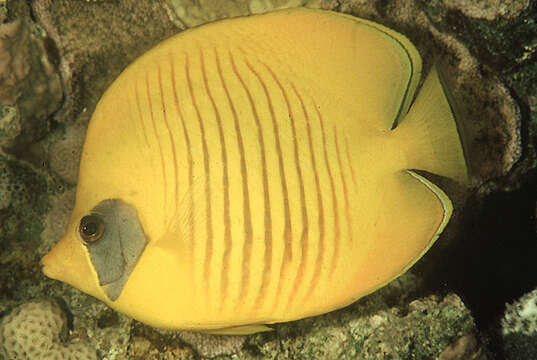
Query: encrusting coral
208, 345
5, 189
33, 331
519, 327
29, 81
521, 316
64, 153
190, 13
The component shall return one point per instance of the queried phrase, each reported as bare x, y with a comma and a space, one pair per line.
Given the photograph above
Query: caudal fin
430, 135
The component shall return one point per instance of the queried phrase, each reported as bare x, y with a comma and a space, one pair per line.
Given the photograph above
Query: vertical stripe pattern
207, 176
156, 133
320, 207
267, 215
332, 191
261, 172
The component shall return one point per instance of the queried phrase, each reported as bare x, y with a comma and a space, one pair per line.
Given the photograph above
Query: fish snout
68, 262
54, 263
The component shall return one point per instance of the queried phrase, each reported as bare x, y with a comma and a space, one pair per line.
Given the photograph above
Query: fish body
259, 170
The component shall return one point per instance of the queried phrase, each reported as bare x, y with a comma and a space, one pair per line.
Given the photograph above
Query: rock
10, 124
96, 40
190, 13
425, 328
151, 344
23, 198
420, 330
489, 9
64, 153
465, 347
29, 81
5, 184
208, 345
57, 218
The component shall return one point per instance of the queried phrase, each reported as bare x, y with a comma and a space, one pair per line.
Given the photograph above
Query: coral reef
490, 9
28, 80
57, 219
10, 124
212, 345
64, 153
22, 199
521, 316
65, 53
189, 13
5, 184
33, 331
519, 327
95, 42
465, 347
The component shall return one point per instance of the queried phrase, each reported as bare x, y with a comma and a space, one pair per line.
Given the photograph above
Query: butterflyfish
259, 170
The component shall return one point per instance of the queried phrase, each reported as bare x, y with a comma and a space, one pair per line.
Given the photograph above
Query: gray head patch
115, 253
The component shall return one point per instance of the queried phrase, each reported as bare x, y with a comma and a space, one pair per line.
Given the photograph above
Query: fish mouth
51, 264
67, 262
47, 267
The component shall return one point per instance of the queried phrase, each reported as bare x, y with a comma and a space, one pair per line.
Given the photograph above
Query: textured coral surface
519, 327
32, 331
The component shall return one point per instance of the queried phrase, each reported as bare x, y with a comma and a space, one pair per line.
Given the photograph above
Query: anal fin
240, 330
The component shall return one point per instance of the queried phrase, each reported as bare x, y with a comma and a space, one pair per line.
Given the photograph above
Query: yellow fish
259, 170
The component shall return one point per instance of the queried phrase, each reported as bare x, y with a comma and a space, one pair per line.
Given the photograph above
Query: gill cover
115, 253
106, 243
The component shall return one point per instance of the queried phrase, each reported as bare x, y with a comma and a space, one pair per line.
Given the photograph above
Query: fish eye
91, 228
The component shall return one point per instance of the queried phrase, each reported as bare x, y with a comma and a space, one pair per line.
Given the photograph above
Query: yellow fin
415, 212
403, 69
240, 330
430, 134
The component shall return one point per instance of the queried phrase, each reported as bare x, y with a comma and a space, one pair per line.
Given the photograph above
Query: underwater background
473, 296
